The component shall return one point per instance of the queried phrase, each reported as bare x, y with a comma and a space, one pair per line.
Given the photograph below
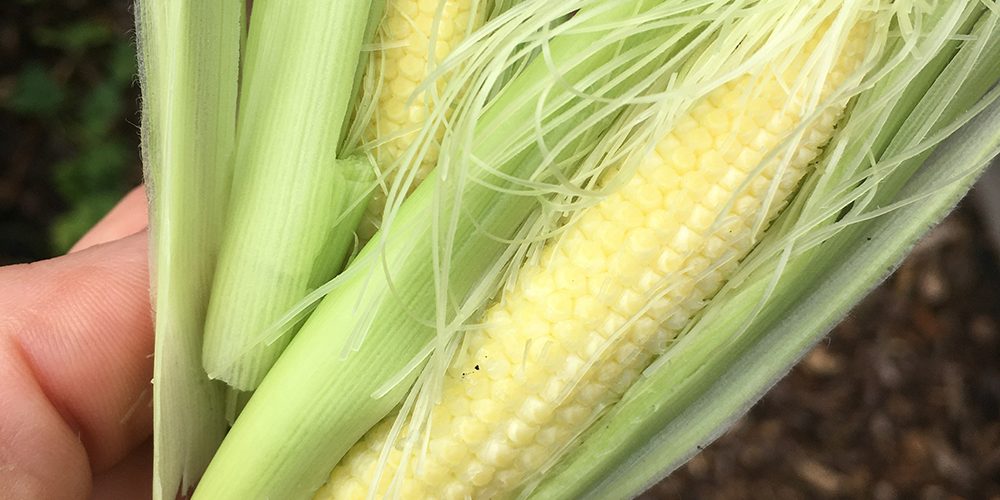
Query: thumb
75, 363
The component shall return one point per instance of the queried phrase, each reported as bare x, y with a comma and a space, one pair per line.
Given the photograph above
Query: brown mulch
901, 401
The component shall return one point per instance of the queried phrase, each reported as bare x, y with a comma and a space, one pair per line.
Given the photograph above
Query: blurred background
901, 401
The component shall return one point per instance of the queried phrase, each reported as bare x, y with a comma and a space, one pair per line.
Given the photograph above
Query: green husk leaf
347, 187
756, 329
286, 230
189, 54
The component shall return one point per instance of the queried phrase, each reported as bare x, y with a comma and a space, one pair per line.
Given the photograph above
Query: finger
80, 325
40, 456
128, 217
132, 478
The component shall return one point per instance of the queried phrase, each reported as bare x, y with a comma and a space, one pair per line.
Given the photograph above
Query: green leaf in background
101, 110
98, 168
95, 175
122, 67
36, 92
70, 226
76, 37
92, 183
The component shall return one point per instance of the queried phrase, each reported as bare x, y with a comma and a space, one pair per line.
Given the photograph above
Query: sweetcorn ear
908, 151
631, 179
415, 36
436, 260
616, 288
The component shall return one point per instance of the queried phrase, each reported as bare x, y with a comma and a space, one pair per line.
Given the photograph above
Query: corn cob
706, 379
415, 38
576, 331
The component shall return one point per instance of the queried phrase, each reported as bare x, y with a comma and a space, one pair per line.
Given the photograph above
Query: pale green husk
189, 52
287, 216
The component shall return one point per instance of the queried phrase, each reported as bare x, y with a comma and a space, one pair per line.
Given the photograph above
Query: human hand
76, 344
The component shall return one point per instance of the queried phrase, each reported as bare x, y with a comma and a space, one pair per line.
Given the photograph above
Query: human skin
76, 344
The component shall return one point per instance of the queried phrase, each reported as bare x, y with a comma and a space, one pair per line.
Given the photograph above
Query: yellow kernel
428, 6
471, 430
661, 221
402, 87
589, 256
497, 452
625, 212
701, 219
588, 309
533, 457
411, 66
669, 261
591, 394
567, 330
424, 23
629, 301
539, 288
504, 390
558, 306
445, 30
624, 267
496, 366
717, 121
649, 281
647, 196
698, 139
683, 158
573, 416
572, 365
520, 432
570, 278
589, 226
550, 436
457, 491
763, 142
610, 235
535, 411
612, 324
507, 478
626, 352
475, 387
398, 27
642, 241
480, 474
416, 113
